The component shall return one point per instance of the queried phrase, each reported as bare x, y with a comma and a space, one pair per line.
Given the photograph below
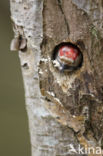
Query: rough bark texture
63, 109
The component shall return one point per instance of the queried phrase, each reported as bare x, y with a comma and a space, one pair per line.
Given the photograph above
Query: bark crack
61, 8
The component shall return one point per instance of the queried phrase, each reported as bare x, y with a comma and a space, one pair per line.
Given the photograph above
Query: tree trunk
65, 110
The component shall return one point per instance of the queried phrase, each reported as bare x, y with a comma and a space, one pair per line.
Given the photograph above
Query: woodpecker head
68, 57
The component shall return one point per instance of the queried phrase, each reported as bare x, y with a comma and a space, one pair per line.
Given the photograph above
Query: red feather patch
69, 52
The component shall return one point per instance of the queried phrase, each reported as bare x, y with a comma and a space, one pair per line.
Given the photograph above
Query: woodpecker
68, 58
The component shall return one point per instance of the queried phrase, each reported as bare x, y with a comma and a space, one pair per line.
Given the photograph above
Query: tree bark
64, 109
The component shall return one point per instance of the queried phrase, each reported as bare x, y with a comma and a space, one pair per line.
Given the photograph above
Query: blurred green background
14, 135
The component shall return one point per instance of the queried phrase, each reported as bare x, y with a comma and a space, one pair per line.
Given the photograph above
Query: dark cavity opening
57, 47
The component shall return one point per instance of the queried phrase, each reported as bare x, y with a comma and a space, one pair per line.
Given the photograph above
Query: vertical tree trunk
65, 110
